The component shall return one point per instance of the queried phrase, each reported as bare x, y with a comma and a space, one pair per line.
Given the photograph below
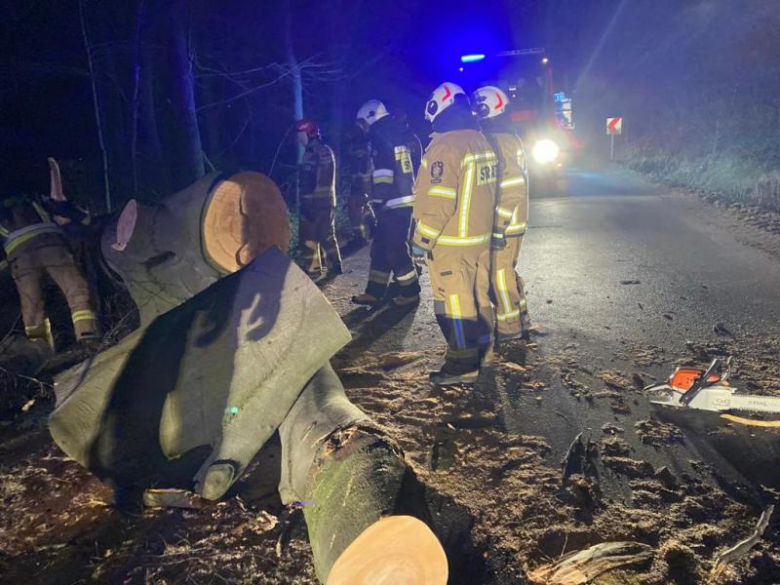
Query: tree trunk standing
297, 90
211, 90
176, 115
98, 112
135, 94
153, 178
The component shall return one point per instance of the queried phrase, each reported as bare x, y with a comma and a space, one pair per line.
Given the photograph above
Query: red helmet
308, 127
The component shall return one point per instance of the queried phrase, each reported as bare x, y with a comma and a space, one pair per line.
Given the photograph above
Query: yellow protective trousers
508, 289
460, 281
317, 237
49, 254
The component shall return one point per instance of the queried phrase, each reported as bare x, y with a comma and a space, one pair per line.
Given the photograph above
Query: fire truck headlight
545, 151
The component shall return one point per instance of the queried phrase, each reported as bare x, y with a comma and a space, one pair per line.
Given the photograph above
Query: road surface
620, 276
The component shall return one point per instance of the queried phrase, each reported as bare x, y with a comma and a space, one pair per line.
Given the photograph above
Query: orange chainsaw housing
683, 378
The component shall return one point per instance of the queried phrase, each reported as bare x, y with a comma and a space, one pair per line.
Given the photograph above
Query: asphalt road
611, 262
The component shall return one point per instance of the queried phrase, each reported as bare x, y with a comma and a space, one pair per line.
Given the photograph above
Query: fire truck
541, 112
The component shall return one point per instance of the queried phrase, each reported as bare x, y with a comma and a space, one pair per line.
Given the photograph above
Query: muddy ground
504, 503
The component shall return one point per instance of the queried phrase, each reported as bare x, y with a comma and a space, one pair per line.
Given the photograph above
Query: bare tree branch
96, 101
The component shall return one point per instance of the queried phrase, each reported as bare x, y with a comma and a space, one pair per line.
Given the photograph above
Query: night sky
614, 53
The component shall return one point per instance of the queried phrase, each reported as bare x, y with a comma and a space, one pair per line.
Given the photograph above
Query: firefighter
317, 184
392, 197
456, 192
36, 246
361, 216
511, 215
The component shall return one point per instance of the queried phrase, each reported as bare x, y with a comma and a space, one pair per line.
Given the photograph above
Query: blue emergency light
472, 58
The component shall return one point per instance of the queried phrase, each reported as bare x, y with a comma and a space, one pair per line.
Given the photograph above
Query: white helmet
371, 111
489, 102
441, 99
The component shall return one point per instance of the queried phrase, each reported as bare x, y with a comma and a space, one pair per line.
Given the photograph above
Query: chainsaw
709, 390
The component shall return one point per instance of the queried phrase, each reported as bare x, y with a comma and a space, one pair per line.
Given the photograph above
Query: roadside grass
728, 177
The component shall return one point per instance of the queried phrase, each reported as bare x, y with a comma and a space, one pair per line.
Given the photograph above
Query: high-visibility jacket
456, 191
22, 219
512, 205
393, 175
317, 176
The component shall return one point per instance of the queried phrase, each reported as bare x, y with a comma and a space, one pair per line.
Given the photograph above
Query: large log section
234, 344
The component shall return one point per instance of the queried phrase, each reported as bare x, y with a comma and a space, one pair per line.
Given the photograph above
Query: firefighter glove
419, 255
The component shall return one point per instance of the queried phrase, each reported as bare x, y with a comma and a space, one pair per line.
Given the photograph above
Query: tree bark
98, 111
364, 507
175, 97
584, 566
297, 89
135, 94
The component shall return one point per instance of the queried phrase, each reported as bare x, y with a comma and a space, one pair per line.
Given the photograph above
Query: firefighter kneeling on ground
511, 215
36, 246
454, 211
317, 185
392, 197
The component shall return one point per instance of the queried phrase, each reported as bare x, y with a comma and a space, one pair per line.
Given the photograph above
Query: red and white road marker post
614, 128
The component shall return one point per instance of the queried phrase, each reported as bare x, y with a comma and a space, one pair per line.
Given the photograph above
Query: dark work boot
406, 292
365, 299
455, 373
526, 326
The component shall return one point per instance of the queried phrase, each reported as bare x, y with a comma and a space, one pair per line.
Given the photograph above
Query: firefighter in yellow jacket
35, 247
317, 184
508, 291
454, 208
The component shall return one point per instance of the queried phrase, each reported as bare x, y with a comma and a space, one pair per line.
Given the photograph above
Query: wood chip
515, 367
582, 567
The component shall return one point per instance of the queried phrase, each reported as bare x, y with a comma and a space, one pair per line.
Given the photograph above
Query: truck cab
541, 112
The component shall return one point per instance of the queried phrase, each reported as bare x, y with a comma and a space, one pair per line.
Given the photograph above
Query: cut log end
397, 550
245, 216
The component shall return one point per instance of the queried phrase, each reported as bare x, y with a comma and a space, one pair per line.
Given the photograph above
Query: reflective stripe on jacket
393, 175
456, 191
13, 240
23, 219
512, 204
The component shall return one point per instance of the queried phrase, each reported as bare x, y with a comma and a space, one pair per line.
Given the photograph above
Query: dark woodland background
157, 91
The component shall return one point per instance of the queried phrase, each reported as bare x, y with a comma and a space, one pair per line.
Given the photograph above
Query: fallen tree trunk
365, 509
168, 252
219, 373
220, 362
